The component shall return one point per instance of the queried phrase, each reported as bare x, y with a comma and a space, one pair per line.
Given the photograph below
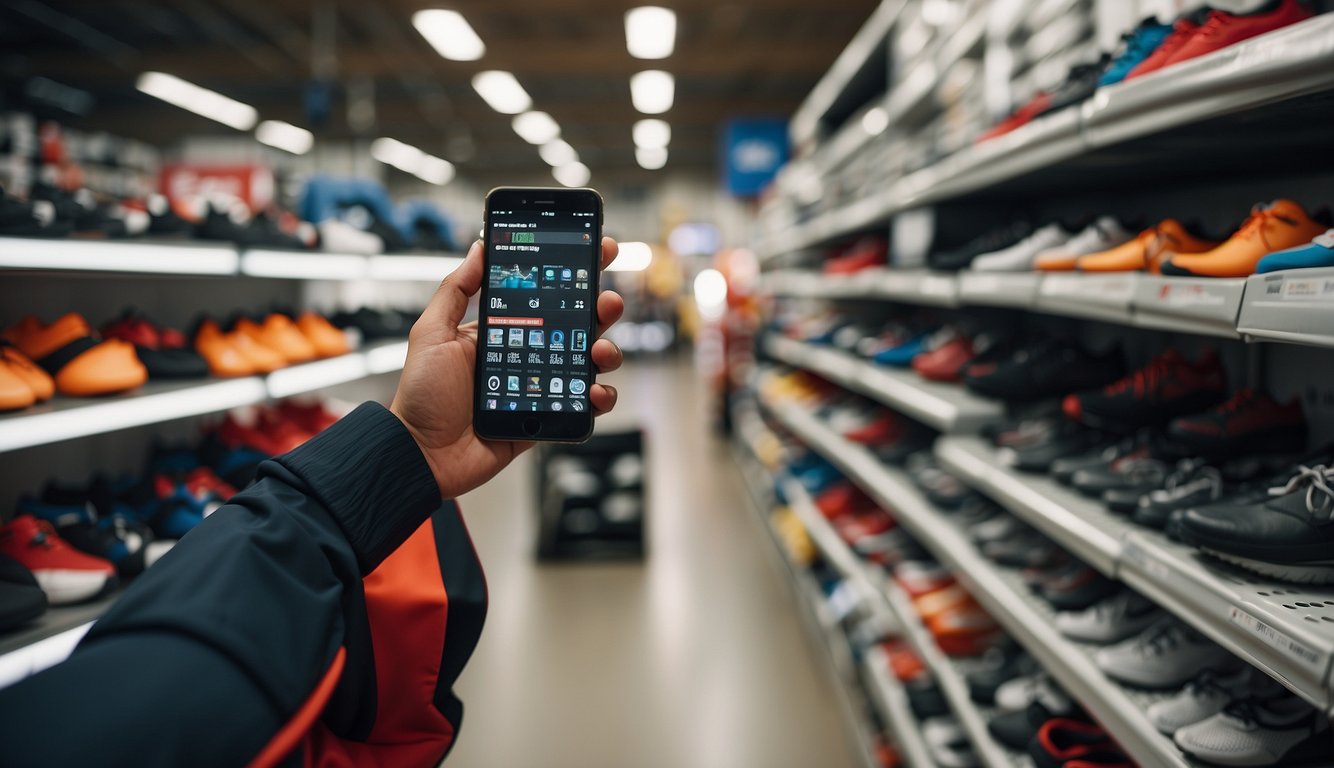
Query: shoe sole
1309, 573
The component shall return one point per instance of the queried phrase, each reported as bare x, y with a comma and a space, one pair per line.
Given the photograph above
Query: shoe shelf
946, 407
821, 627
65, 418
833, 549
891, 701
1288, 63
159, 257
1030, 622
1079, 524
1295, 306
1106, 297
1200, 305
48, 640
1016, 290
1286, 630
912, 286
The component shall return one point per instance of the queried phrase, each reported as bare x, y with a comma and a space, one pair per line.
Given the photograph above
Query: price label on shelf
1307, 658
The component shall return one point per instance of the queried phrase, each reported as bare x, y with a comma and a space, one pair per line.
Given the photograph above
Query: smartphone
538, 320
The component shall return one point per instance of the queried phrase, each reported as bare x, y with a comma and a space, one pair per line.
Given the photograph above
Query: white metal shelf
1119, 710
913, 286
65, 418
1295, 306
946, 407
191, 258
1283, 64
1204, 305
999, 289
892, 702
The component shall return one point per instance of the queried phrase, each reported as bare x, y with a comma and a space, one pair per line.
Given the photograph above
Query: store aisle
694, 659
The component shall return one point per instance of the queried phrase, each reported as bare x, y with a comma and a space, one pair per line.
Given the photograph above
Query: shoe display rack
193, 258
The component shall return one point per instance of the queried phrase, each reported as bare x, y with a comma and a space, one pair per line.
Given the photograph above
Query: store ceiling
731, 59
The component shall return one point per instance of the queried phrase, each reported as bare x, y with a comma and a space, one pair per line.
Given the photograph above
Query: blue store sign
753, 151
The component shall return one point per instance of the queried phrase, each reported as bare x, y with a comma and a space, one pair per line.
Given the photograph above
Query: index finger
609, 251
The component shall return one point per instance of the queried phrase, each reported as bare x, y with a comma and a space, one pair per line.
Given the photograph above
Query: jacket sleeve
219, 644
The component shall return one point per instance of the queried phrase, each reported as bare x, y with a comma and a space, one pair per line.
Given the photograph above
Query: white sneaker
948, 744
340, 237
1102, 234
1019, 693
1110, 621
1019, 257
1165, 655
1204, 697
1259, 732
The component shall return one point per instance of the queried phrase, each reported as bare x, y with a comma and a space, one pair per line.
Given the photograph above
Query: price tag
1289, 648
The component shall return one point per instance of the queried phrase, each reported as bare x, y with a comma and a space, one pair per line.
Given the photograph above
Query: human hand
434, 397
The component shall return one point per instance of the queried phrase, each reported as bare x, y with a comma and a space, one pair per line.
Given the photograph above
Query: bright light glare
652, 133
428, 269
502, 92
650, 32
536, 127
875, 121
309, 377
290, 265
557, 153
409, 159
111, 256
572, 174
652, 91
285, 136
633, 257
449, 34
711, 294
651, 158
200, 101
435, 170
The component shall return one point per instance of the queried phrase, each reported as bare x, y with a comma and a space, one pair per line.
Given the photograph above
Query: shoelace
1160, 640
1255, 225
1207, 682
1192, 471
1317, 481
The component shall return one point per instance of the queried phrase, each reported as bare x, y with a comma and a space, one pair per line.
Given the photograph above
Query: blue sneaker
901, 356
1317, 253
1139, 43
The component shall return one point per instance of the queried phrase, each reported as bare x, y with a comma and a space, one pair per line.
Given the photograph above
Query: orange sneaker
84, 366
328, 340
1273, 227
263, 358
1146, 250
14, 391
222, 356
38, 380
281, 335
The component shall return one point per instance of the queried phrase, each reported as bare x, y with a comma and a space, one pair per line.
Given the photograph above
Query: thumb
450, 302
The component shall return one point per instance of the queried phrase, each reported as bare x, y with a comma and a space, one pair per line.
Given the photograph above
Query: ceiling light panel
572, 174
285, 136
650, 32
652, 133
652, 91
449, 34
536, 127
557, 153
502, 92
651, 158
200, 101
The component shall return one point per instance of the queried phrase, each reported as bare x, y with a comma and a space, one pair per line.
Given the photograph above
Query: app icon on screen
535, 385
577, 386
557, 341
513, 384
537, 338
495, 337
491, 404
532, 405
493, 383
579, 341
557, 386
566, 274
516, 337
581, 274
512, 405
577, 405
549, 274
556, 406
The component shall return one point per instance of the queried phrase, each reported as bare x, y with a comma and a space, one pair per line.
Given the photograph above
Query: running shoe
1109, 621
1281, 730
21, 597
1276, 226
1144, 253
81, 364
1168, 387
64, 574
1019, 257
1136, 46
1105, 232
1164, 656
1204, 697
1183, 29
1046, 369
1222, 29
1061, 742
1317, 253
1249, 422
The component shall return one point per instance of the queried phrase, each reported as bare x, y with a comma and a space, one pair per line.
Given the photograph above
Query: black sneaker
1046, 369
1041, 455
996, 667
995, 240
21, 599
1168, 387
1288, 537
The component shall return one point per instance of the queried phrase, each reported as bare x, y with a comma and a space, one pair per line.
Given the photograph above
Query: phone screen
538, 309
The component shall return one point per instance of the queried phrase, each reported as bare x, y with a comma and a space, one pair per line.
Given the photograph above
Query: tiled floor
692, 659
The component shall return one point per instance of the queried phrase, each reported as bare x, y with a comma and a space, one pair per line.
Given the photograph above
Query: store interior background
696, 653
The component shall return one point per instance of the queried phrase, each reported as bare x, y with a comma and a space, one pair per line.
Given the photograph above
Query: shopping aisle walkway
694, 659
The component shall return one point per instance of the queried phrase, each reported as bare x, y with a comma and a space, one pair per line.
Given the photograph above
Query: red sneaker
946, 362
313, 417
867, 253
64, 574
1222, 29
1182, 31
886, 426
1021, 117
1249, 422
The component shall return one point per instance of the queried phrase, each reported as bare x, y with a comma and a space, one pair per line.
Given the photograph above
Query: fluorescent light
652, 133
31, 253
387, 357
572, 174
652, 91
650, 32
128, 411
285, 136
536, 127
309, 377
502, 92
303, 266
200, 101
875, 121
557, 153
449, 34
711, 294
651, 158
430, 269
435, 170
633, 257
